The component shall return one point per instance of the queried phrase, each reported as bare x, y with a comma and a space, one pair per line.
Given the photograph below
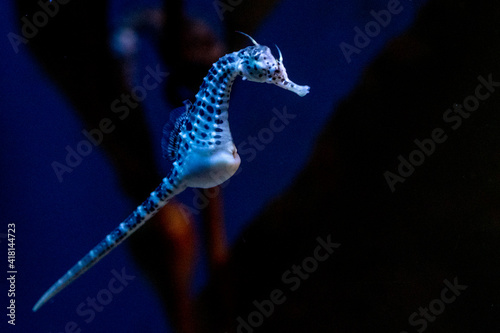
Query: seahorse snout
281, 79
299, 90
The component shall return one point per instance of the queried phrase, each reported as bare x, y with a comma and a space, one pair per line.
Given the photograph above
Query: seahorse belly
205, 168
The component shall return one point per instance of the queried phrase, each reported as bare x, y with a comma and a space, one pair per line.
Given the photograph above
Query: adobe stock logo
293, 279
122, 107
225, 6
420, 320
87, 310
427, 146
29, 30
372, 29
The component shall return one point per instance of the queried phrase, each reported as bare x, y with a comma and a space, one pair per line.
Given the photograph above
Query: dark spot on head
218, 142
219, 130
206, 126
219, 121
210, 109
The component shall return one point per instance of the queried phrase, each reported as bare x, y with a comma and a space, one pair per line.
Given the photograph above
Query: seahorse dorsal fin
172, 128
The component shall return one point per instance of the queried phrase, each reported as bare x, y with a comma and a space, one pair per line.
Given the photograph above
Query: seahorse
199, 143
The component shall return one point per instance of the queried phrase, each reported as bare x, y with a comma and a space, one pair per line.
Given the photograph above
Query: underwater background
414, 246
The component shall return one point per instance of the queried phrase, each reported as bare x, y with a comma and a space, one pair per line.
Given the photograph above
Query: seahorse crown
259, 65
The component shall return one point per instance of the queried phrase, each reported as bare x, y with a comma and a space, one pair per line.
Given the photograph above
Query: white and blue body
198, 141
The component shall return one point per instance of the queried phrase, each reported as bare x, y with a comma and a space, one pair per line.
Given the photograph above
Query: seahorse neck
216, 87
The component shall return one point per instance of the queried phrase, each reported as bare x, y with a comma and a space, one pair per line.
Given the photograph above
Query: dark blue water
57, 222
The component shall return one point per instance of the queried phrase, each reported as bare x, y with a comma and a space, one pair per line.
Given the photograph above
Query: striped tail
158, 198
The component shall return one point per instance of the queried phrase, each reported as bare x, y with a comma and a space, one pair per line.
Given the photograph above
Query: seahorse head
258, 64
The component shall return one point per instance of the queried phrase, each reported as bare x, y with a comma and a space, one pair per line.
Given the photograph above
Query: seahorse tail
157, 199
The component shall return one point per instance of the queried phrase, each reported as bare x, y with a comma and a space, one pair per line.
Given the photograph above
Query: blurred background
415, 250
